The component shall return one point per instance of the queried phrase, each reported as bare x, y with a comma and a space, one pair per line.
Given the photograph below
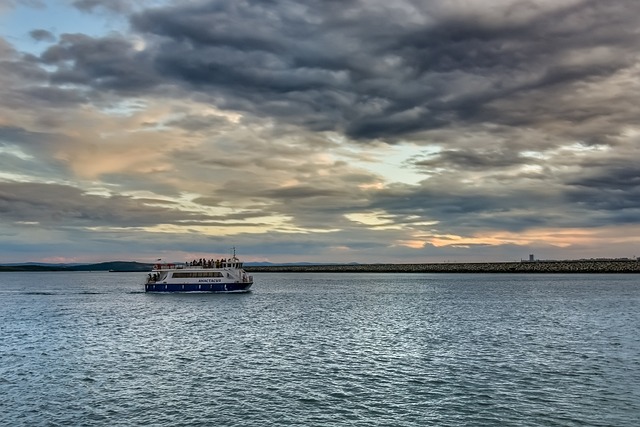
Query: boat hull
198, 287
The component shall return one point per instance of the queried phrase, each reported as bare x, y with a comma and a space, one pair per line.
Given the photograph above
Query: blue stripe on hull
197, 287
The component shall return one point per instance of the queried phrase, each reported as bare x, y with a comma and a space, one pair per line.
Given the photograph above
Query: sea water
91, 349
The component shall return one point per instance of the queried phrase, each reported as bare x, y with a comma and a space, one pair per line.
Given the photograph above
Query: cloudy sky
319, 130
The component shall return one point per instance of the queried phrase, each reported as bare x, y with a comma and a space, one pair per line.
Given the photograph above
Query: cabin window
196, 274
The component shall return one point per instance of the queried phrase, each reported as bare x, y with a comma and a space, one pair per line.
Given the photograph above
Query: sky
319, 130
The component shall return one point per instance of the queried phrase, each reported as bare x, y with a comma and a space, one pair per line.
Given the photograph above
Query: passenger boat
223, 275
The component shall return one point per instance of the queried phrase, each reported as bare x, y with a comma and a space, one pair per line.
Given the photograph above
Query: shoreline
578, 266
602, 266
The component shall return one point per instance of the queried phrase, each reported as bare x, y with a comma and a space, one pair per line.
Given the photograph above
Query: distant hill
116, 266
32, 267
40, 264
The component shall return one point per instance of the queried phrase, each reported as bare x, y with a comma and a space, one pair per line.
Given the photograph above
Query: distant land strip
578, 266
116, 266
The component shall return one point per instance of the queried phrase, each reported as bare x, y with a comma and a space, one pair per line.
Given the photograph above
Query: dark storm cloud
365, 68
55, 204
103, 63
19, 67
623, 176
53, 96
24, 85
459, 210
303, 192
614, 191
480, 159
42, 35
118, 6
608, 193
375, 72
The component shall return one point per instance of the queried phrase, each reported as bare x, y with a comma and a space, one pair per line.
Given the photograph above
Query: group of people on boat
207, 263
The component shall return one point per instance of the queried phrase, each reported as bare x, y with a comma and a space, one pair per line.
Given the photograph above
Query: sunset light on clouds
319, 131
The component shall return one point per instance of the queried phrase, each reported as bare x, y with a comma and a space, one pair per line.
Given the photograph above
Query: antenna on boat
234, 251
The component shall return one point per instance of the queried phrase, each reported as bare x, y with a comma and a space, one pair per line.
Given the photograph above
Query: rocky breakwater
577, 266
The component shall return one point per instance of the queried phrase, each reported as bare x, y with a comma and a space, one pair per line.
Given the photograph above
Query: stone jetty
577, 266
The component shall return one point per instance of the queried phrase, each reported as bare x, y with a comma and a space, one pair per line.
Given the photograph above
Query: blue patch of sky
57, 17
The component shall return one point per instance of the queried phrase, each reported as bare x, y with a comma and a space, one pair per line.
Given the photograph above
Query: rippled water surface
90, 349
